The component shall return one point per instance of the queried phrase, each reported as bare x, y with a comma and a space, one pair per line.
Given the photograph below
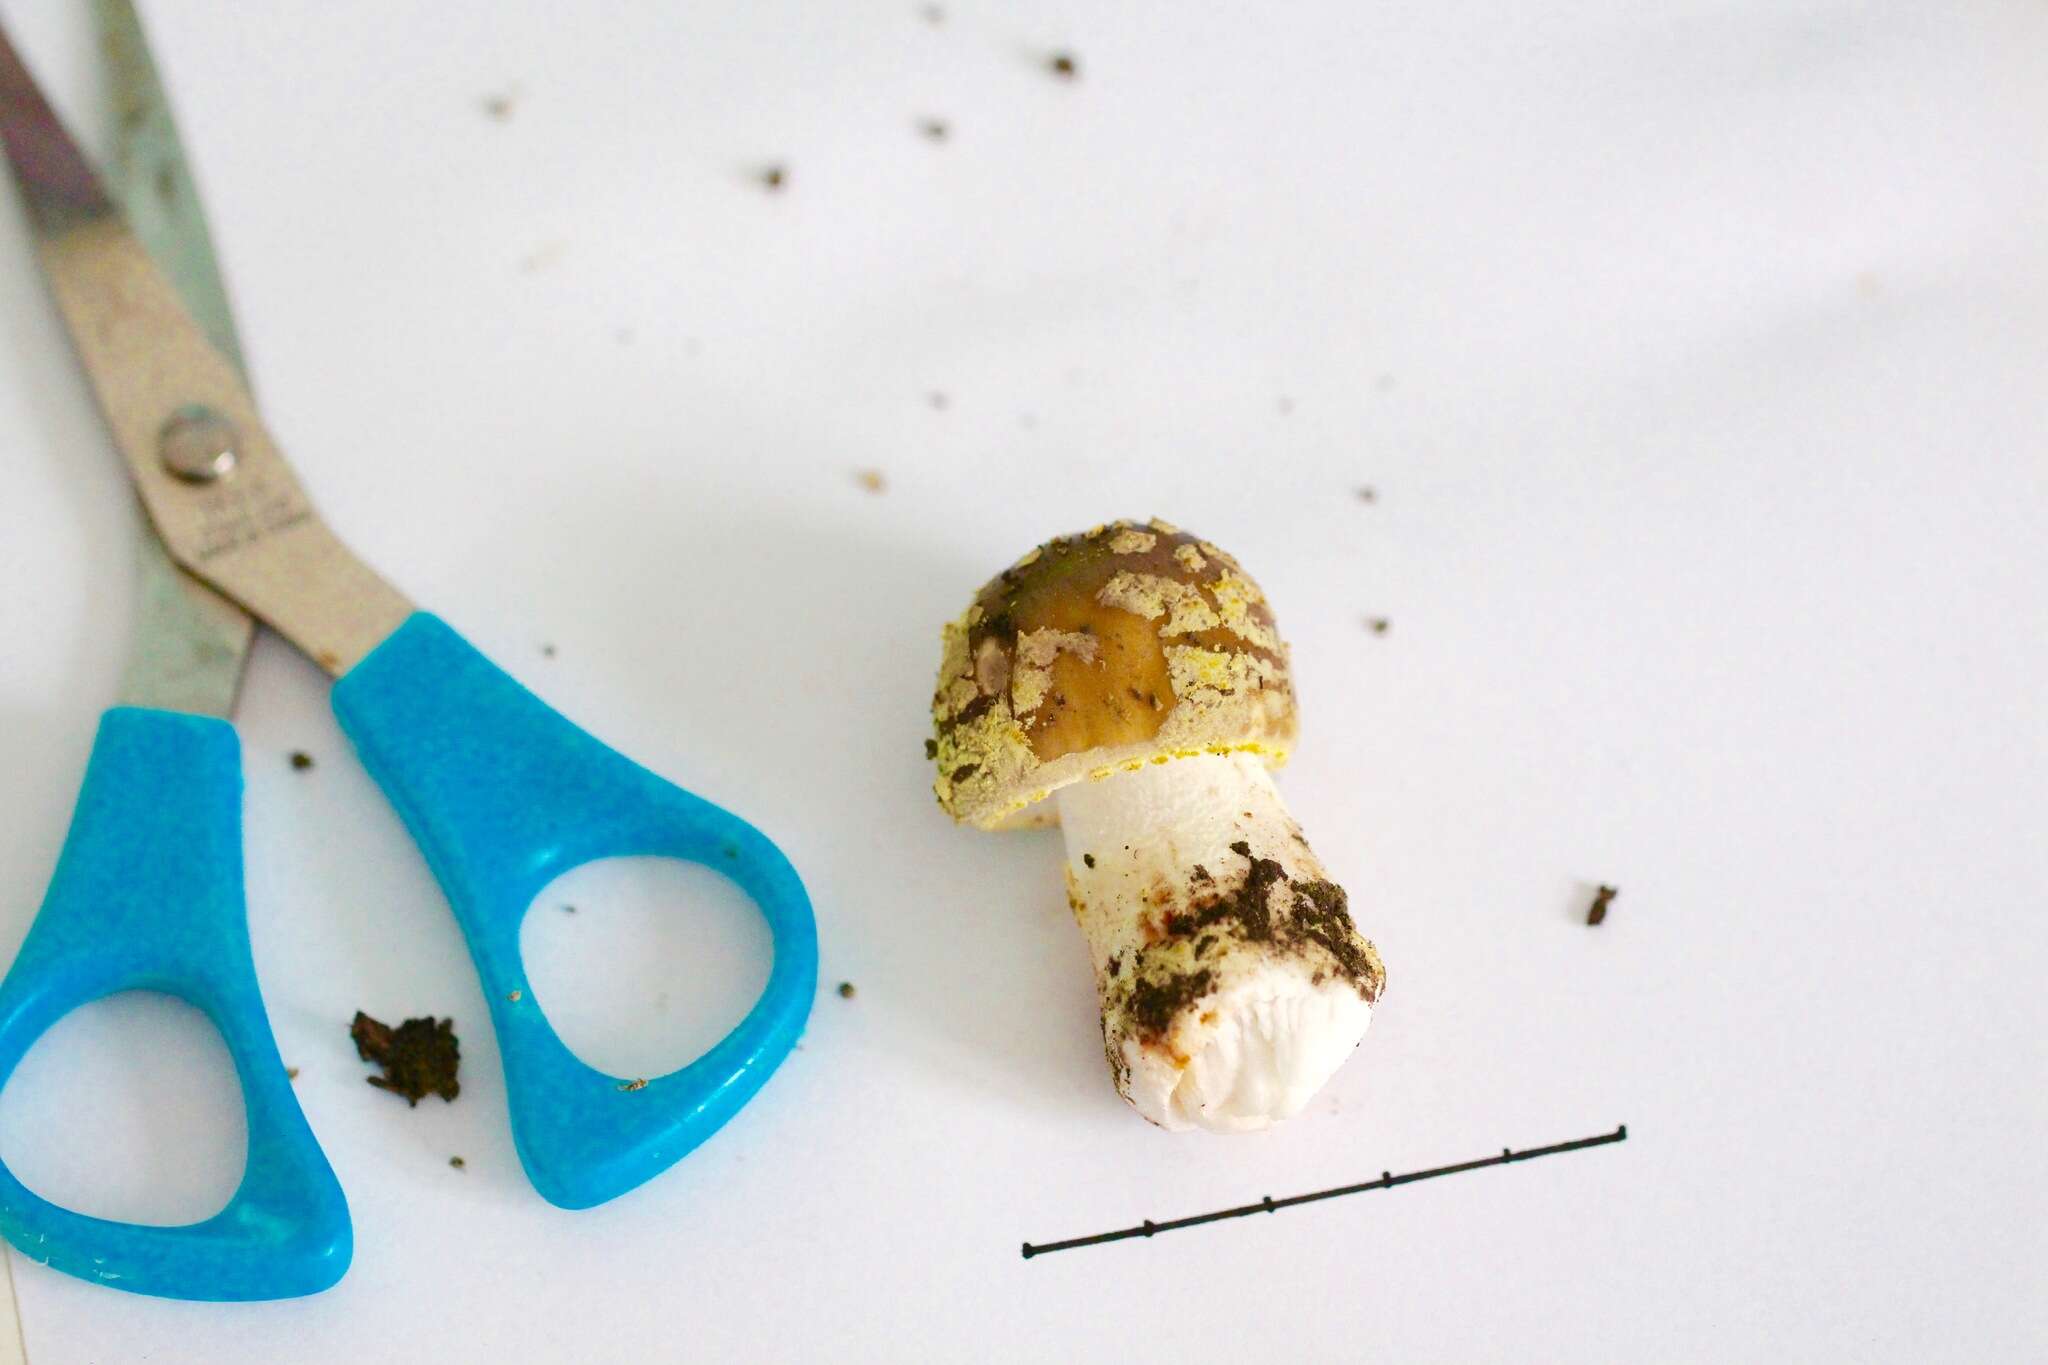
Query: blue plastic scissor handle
148, 896
503, 795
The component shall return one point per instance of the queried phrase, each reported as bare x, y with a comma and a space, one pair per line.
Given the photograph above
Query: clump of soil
419, 1057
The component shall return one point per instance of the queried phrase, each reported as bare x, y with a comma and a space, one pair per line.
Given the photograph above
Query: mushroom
1133, 675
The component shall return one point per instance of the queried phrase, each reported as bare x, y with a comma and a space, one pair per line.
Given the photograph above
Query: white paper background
1697, 352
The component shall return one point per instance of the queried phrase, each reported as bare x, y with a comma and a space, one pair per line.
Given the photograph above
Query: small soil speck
1367, 493
458, 1163
291, 1073
639, 1083
773, 178
1064, 65
872, 480
1602, 898
931, 748
937, 129
547, 651
1377, 624
1088, 858
301, 760
568, 909
498, 107
846, 991
516, 996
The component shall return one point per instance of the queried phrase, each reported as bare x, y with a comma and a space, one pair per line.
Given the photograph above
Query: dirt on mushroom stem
1259, 958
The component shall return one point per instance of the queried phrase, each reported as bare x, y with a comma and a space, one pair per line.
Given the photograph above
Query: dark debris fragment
420, 1057
1602, 898
301, 760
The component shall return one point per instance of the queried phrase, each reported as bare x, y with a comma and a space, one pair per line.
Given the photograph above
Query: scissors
501, 793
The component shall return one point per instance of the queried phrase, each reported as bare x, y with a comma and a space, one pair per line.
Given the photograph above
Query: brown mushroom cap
1126, 645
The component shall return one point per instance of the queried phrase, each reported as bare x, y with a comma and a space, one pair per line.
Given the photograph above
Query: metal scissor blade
55, 177
190, 645
152, 183
232, 512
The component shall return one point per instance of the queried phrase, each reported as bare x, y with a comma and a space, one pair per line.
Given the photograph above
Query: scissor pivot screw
198, 444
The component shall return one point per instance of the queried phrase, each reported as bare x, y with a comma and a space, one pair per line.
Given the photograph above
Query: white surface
1697, 353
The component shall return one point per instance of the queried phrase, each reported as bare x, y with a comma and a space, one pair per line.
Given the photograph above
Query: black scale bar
1269, 1204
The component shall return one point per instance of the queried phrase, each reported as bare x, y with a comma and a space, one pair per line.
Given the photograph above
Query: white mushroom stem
1233, 983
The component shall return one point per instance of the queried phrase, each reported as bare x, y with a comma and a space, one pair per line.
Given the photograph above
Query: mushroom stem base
1233, 983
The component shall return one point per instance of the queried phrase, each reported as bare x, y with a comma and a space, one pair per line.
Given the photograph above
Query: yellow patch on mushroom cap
982, 759
1213, 678
1099, 652
1035, 653
1150, 596
1235, 597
